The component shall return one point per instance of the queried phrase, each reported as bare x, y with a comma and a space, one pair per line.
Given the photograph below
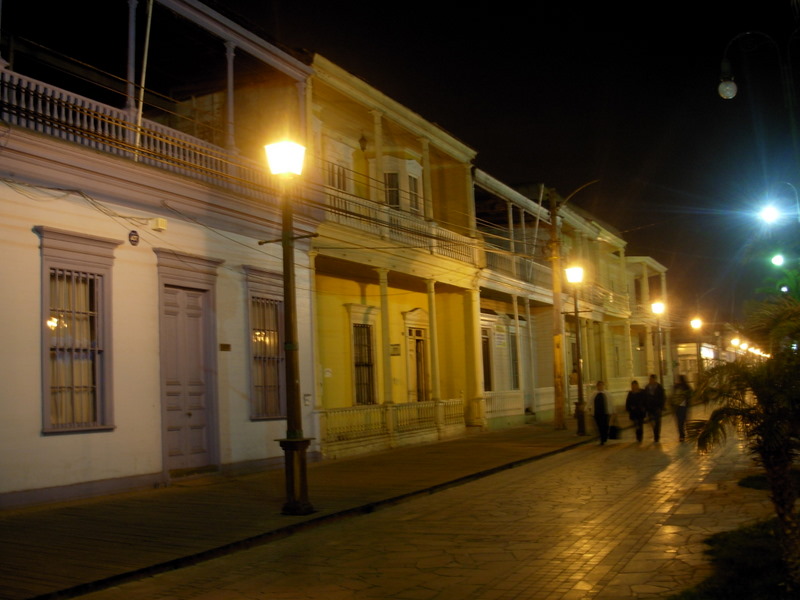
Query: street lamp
697, 325
285, 160
658, 310
575, 277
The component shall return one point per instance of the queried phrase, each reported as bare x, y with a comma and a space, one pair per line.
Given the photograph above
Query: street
614, 521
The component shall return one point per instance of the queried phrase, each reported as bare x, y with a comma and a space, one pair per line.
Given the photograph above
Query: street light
658, 310
575, 277
285, 160
697, 325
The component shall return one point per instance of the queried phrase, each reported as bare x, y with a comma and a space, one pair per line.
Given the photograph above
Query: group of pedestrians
643, 404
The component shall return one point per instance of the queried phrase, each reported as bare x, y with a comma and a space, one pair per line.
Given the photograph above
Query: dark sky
569, 92
565, 93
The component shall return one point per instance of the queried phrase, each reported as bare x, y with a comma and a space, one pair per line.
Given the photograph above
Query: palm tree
761, 397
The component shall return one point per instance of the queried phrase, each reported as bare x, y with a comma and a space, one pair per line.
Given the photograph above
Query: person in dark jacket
655, 404
600, 407
681, 395
636, 405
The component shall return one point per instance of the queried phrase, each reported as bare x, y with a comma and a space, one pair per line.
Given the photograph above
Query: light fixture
285, 158
574, 274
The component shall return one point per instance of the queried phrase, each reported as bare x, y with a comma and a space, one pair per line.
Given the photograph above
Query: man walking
636, 405
655, 405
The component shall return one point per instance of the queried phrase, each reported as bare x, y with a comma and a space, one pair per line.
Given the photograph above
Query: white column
436, 391
130, 87
628, 349
427, 184
386, 346
377, 125
474, 400
230, 133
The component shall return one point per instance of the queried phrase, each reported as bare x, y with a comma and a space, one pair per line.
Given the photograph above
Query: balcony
36, 106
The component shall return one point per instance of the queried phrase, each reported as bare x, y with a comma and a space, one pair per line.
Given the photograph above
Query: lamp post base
297, 502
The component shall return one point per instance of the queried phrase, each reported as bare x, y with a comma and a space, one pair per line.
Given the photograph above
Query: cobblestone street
618, 521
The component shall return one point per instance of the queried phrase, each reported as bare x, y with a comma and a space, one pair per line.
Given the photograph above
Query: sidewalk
73, 548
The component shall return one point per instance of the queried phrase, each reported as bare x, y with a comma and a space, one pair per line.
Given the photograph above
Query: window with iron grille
364, 364
267, 369
76, 328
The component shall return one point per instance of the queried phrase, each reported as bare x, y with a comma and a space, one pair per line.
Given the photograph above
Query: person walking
600, 406
681, 395
636, 405
656, 397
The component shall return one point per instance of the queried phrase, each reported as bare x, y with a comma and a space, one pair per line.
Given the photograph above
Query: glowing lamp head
574, 274
769, 214
285, 158
658, 308
727, 89
696, 323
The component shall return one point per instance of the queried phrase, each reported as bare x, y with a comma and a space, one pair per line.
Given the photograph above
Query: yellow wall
334, 338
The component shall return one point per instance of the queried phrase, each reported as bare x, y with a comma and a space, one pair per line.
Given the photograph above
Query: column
530, 369
386, 346
130, 86
427, 184
628, 349
473, 396
470, 199
230, 137
377, 125
436, 392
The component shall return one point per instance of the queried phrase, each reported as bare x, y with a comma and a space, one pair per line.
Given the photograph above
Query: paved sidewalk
72, 548
646, 542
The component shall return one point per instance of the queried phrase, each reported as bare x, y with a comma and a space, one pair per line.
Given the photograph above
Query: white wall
30, 460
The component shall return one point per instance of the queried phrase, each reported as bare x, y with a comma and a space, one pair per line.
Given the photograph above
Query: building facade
141, 234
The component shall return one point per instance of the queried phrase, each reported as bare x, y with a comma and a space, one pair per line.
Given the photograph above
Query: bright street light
285, 160
575, 277
769, 214
777, 260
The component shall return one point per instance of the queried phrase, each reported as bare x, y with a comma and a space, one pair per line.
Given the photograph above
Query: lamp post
575, 277
285, 161
658, 310
697, 325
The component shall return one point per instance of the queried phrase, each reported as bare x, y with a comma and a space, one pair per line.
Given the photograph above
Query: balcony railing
36, 106
402, 229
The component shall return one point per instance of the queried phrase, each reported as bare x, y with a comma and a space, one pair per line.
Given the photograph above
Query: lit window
268, 390
76, 322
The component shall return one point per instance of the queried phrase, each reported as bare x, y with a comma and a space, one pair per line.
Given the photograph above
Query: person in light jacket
600, 405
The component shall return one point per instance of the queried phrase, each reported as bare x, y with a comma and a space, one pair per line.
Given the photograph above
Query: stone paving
618, 521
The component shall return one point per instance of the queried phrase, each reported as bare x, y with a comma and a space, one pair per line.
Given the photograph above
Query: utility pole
558, 318
559, 396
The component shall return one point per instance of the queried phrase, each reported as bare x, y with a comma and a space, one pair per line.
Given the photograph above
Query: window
76, 331
268, 390
413, 194
364, 363
514, 360
362, 326
337, 177
392, 185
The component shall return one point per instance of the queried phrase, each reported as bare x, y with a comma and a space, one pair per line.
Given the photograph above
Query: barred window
268, 396
363, 363
77, 350
76, 325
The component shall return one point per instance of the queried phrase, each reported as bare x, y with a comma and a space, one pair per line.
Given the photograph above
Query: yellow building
395, 263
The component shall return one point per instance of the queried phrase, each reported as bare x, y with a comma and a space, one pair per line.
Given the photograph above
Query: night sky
563, 94
566, 93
